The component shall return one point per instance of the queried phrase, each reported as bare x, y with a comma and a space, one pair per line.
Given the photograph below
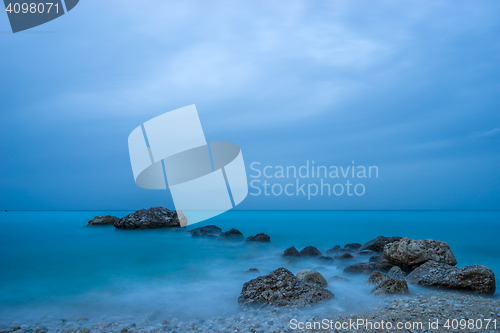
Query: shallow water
53, 265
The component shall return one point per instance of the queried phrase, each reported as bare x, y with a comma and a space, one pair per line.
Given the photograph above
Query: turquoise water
53, 264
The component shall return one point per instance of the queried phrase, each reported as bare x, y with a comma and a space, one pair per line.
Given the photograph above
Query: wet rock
103, 220
281, 288
477, 278
291, 252
326, 259
377, 278
409, 253
384, 265
391, 286
310, 251
345, 257
155, 217
333, 251
352, 247
377, 244
338, 279
376, 259
252, 271
259, 238
206, 231
310, 276
397, 273
360, 268
366, 252
233, 234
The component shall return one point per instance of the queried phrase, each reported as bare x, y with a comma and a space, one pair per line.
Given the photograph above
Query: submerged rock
397, 272
377, 244
252, 271
310, 251
391, 286
259, 238
206, 231
345, 257
337, 279
291, 252
377, 277
233, 234
103, 220
281, 288
310, 276
333, 251
326, 259
155, 217
352, 247
409, 253
477, 278
360, 268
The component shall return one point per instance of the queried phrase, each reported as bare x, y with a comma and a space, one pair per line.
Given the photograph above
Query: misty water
53, 265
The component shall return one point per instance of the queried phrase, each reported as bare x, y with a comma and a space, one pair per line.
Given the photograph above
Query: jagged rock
345, 257
233, 234
310, 276
397, 273
360, 268
310, 251
155, 217
259, 238
391, 286
352, 247
409, 253
291, 252
103, 220
477, 278
206, 231
281, 288
333, 251
338, 279
377, 244
377, 278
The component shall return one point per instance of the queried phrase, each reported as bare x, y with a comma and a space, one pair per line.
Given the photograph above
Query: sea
52, 264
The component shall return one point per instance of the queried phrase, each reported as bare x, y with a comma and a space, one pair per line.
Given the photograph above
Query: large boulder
360, 268
310, 251
476, 278
310, 276
377, 278
377, 244
291, 252
409, 253
206, 231
281, 288
391, 286
259, 238
103, 220
155, 217
233, 234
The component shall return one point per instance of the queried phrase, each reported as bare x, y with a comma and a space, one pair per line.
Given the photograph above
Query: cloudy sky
409, 86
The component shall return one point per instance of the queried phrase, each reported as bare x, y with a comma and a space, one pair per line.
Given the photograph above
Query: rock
326, 259
259, 238
384, 265
252, 271
82, 319
345, 257
391, 286
291, 252
376, 259
409, 254
206, 231
397, 273
366, 252
338, 279
377, 278
476, 278
377, 244
333, 251
281, 288
155, 217
360, 268
352, 247
310, 251
233, 234
102, 220
310, 276
85, 330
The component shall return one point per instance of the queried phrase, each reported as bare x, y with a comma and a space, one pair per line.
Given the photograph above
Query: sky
410, 87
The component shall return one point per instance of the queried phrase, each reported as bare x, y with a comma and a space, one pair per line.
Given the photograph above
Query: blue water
52, 264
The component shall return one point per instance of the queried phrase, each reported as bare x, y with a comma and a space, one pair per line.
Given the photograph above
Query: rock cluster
155, 217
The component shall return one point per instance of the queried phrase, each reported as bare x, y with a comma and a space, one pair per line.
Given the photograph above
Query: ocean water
52, 264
